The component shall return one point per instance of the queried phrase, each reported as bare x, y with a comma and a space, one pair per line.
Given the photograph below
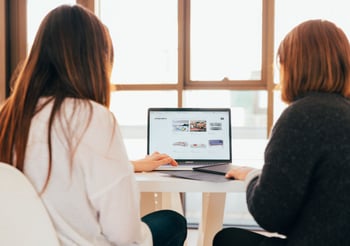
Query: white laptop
192, 136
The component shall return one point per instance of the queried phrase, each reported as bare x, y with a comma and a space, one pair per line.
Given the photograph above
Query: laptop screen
190, 134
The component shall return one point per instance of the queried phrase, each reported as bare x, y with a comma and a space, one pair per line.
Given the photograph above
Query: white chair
23, 217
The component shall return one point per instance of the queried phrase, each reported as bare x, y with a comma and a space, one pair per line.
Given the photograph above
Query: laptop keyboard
187, 165
202, 163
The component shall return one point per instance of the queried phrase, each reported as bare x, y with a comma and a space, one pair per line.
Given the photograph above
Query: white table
161, 191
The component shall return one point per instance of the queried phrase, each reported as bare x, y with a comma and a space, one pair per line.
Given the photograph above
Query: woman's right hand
151, 162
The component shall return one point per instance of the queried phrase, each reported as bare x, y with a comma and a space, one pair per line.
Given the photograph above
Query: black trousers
241, 237
168, 227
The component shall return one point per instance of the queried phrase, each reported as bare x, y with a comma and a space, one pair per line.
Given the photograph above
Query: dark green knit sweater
303, 191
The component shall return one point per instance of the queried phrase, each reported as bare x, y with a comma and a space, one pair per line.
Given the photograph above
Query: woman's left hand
151, 162
238, 173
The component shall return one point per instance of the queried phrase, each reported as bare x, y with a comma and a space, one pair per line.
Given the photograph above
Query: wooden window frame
17, 51
3, 53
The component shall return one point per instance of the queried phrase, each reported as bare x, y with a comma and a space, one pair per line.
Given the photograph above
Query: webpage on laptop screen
190, 135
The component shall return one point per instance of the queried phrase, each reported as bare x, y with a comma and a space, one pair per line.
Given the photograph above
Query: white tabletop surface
160, 182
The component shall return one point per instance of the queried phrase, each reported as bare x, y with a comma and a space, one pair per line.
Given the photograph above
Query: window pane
144, 34
226, 39
130, 109
36, 11
333, 10
248, 108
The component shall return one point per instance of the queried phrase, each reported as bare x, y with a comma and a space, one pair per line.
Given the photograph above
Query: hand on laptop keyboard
153, 161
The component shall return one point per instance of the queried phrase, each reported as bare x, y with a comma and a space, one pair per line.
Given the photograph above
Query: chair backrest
23, 217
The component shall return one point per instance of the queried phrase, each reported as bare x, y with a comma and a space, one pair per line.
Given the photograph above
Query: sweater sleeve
277, 195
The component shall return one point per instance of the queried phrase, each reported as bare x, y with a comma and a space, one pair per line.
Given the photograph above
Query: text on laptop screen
190, 134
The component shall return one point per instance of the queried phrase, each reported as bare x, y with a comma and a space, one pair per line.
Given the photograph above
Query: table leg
172, 200
147, 203
153, 201
213, 206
